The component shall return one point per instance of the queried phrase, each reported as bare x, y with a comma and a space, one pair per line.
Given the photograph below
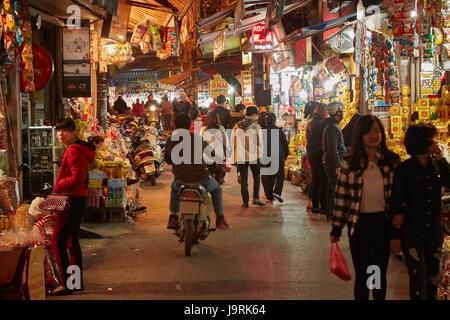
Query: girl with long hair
213, 122
362, 201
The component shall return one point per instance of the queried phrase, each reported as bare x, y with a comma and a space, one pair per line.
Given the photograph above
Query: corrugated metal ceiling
139, 14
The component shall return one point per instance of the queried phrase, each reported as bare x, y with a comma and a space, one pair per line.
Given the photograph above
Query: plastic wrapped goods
9, 194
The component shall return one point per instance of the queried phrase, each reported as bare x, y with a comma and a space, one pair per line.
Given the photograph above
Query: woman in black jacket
314, 132
416, 209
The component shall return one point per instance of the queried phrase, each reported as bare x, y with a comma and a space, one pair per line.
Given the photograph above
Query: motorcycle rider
191, 173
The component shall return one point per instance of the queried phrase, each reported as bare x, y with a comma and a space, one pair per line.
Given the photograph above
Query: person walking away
237, 115
416, 209
120, 106
308, 116
212, 122
319, 183
191, 173
333, 148
274, 183
247, 151
221, 111
71, 179
167, 113
138, 109
362, 200
347, 132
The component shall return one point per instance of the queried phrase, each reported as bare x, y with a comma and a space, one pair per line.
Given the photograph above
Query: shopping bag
338, 266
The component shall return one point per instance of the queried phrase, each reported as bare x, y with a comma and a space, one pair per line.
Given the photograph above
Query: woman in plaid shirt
362, 199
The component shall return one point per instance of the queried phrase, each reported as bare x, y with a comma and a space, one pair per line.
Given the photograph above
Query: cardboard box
9, 262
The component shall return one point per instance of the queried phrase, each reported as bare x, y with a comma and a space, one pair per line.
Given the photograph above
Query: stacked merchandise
26, 227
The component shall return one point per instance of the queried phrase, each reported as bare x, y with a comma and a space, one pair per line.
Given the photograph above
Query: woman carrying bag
362, 199
72, 179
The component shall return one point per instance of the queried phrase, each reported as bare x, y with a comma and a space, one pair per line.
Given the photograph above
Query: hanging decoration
151, 38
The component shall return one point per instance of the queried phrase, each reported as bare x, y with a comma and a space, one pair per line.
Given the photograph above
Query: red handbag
338, 265
57, 202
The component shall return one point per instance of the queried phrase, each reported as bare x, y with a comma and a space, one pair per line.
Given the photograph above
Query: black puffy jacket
416, 193
314, 132
333, 146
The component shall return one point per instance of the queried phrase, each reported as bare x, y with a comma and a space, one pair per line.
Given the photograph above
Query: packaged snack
138, 34
146, 42
438, 36
408, 29
156, 39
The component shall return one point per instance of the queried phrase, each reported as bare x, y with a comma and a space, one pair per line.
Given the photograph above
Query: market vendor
120, 106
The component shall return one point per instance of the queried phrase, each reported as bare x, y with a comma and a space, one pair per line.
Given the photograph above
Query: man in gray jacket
333, 147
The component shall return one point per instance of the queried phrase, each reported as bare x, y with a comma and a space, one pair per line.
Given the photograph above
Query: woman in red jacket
72, 178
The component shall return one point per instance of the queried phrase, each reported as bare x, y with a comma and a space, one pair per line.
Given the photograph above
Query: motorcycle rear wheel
188, 237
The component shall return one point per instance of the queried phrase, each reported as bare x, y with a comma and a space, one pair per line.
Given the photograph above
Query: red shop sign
258, 38
42, 65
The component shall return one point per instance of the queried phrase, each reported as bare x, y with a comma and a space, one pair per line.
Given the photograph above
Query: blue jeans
211, 185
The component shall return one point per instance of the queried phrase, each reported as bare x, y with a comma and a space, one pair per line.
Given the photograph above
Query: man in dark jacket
221, 111
333, 148
182, 106
273, 184
190, 172
319, 184
120, 106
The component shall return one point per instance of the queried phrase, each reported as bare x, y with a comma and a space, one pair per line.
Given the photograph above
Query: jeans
273, 183
65, 237
243, 171
331, 186
420, 271
369, 246
211, 185
319, 186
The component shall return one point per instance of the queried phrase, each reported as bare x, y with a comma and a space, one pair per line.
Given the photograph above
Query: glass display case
40, 149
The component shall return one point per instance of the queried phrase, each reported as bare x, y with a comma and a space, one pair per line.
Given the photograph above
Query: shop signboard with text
247, 88
218, 86
262, 39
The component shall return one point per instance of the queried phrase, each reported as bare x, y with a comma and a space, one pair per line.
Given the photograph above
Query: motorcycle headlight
152, 108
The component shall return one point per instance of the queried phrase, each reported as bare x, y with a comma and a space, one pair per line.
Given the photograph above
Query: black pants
331, 186
319, 186
243, 172
65, 237
273, 183
420, 271
369, 246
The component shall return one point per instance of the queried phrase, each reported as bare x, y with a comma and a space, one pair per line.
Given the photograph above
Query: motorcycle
153, 116
146, 156
194, 219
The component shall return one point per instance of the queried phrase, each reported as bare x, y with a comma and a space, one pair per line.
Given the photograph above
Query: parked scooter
146, 156
194, 219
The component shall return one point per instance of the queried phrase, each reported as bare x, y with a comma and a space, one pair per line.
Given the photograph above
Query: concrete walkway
275, 252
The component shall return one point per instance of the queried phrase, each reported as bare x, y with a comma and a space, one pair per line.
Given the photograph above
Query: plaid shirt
348, 195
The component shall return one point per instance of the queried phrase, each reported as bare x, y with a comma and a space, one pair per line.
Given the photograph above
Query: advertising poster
218, 86
247, 88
